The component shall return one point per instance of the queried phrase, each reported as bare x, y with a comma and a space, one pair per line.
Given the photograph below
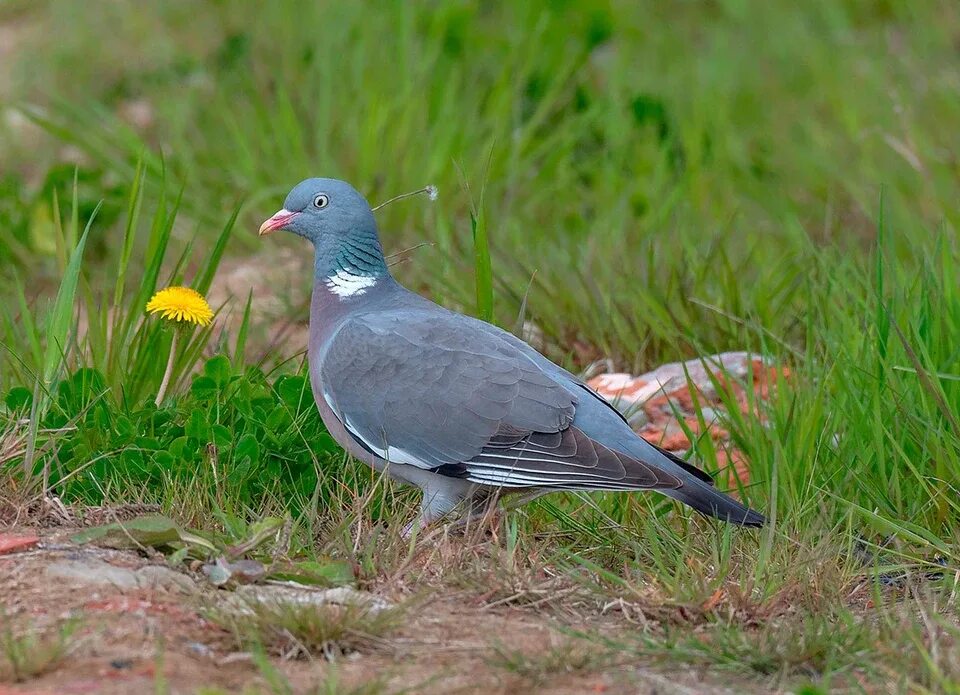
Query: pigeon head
339, 223
319, 208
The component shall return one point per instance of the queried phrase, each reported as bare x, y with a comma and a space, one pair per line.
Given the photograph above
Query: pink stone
15, 542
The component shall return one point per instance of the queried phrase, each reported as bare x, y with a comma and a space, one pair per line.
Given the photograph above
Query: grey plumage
454, 405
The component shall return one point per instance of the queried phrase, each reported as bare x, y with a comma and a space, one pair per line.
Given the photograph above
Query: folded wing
419, 389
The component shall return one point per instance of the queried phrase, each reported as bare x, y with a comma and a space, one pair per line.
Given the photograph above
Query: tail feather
707, 500
696, 489
685, 465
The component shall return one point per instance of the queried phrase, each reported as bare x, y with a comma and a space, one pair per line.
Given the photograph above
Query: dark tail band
709, 501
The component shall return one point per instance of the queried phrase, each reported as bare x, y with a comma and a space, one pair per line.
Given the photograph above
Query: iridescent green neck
354, 253
350, 265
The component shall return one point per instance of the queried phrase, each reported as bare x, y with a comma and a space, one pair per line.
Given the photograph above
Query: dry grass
12, 445
14, 494
307, 631
567, 658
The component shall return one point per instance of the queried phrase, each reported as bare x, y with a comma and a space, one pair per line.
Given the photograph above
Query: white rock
294, 594
93, 572
160, 577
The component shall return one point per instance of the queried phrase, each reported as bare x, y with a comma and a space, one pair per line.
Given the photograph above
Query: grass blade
61, 315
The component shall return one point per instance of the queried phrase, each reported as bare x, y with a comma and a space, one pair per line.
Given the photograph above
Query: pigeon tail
711, 502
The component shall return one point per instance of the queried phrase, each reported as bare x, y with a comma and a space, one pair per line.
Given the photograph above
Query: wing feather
426, 390
421, 384
568, 459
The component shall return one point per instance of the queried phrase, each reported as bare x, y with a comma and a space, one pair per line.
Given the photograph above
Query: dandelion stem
166, 375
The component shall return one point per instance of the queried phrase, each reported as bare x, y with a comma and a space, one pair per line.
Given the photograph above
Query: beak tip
276, 222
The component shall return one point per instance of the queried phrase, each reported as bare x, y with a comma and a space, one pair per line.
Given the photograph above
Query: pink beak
278, 221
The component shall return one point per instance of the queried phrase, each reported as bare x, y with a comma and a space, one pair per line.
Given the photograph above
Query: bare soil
134, 640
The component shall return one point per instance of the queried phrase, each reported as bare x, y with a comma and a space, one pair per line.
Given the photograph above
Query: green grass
306, 631
644, 182
332, 683
27, 651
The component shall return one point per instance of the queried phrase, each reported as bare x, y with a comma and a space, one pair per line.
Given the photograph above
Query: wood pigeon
451, 404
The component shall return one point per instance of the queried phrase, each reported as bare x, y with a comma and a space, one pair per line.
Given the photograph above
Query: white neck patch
345, 284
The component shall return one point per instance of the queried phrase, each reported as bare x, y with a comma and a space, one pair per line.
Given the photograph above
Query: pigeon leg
435, 505
482, 509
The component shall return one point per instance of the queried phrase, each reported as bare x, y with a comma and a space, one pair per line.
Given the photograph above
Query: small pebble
200, 649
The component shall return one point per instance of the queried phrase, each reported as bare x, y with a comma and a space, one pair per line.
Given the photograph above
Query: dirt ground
156, 639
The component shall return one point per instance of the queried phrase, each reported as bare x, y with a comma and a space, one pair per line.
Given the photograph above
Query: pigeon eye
321, 201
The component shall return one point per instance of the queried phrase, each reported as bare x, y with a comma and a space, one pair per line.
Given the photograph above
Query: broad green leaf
326, 572
153, 531
18, 398
203, 387
218, 370
247, 447
196, 426
150, 531
221, 435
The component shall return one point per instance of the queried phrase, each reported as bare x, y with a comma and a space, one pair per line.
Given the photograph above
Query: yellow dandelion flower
181, 304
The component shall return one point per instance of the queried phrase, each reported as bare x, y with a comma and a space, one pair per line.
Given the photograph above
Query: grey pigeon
454, 405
